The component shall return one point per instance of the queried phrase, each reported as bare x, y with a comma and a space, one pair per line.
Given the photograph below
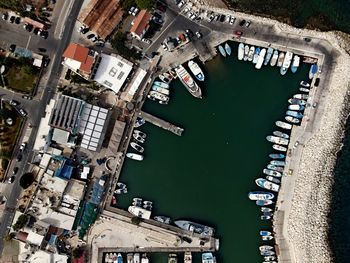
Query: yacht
188, 257
267, 238
301, 96
272, 172
256, 55
119, 258
137, 147
278, 163
264, 233
268, 55
278, 140
140, 133
240, 51
121, 191
208, 258
263, 183
304, 84
138, 138
267, 253
292, 119
165, 78
129, 258
251, 53
222, 51
188, 81
265, 247
161, 90
277, 156
136, 258
313, 71
275, 168
284, 125
281, 134
266, 209
295, 114
195, 227
269, 259
297, 101
161, 84
265, 217
304, 89
246, 52
295, 64
263, 202
196, 70
135, 156
286, 62
280, 59
274, 58
260, 59
172, 258
157, 95
280, 148
260, 195
228, 49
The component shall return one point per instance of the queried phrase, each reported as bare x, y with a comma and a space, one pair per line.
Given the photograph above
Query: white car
228, 18
211, 18
23, 146
146, 40
199, 35
232, 20
193, 17
131, 10
135, 12
165, 47
186, 10
181, 4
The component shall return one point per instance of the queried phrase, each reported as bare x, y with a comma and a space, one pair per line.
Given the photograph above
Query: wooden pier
161, 123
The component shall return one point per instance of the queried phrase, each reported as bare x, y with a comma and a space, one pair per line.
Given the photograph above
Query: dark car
242, 23
189, 33
14, 102
5, 16
222, 18
44, 34
11, 179
36, 31
19, 157
85, 30
306, 39
15, 170
12, 48
90, 36
18, 20
12, 19
46, 62
41, 49
27, 97
317, 82
28, 27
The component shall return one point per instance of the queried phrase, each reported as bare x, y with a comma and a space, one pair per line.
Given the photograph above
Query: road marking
30, 37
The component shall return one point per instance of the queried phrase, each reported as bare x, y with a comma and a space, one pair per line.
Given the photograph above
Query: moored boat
161, 90
135, 156
277, 156
195, 227
246, 52
286, 62
313, 71
251, 53
208, 258
228, 49
240, 51
161, 84
172, 258
304, 89
267, 253
263, 183
272, 173
144, 258
274, 58
268, 55
158, 96
295, 114
119, 258
280, 59
280, 148
222, 51
278, 140
140, 133
265, 247
139, 122
296, 107
301, 96
263, 202
162, 219
267, 238
130, 258
188, 257
188, 81
292, 119
269, 258
295, 64
196, 70
256, 55
138, 138
273, 179
263, 232
275, 168
137, 147
281, 134
166, 79
297, 101
260, 195
266, 209
136, 258
260, 58
283, 125
304, 84
278, 163
265, 217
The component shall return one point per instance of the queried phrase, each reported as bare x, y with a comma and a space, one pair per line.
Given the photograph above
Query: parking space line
29, 38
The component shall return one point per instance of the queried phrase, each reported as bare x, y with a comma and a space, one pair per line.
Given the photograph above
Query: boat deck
161, 123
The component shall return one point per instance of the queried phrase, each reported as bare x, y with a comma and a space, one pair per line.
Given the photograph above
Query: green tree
26, 180
9, 236
21, 222
127, 4
136, 220
145, 4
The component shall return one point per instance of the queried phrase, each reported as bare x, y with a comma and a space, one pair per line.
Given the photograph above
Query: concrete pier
161, 123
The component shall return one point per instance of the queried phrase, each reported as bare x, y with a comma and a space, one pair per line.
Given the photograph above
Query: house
140, 25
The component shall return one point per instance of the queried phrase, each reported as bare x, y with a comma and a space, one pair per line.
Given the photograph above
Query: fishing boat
265, 247
313, 71
273, 179
172, 258
256, 55
268, 55
196, 70
144, 258
275, 168
274, 58
269, 258
195, 227
267, 253
283, 125
286, 62
154, 95
246, 52
139, 122
165, 79
161, 84
162, 219
280, 59
137, 199
263, 183
295, 64
119, 258
278, 140
304, 89
240, 51
121, 185
292, 119
135, 156
260, 58
264, 217
208, 258
280, 148
304, 84
140, 133
251, 53
263, 202
222, 51
260, 195
266, 209
301, 96
295, 114
277, 156
278, 163
228, 49
297, 101
188, 257
136, 258
296, 107
272, 173
138, 138
264, 233
281, 134
121, 191
188, 81
161, 90
267, 238
130, 258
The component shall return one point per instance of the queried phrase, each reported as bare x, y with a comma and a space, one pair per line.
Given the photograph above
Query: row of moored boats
139, 138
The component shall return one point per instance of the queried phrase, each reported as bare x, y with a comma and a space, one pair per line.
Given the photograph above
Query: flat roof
74, 190
60, 136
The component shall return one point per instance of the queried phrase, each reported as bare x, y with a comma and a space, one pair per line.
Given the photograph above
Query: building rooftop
141, 23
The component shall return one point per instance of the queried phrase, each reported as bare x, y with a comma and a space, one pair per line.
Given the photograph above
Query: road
55, 45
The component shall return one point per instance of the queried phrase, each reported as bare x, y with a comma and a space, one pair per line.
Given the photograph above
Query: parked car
228, 18
100, 43
247, 24
242, 23
11, 179
28, 27
23, 146
135, 12
90, 36
14, 102
41, 49
165, 46
27, 97
306, 39
22, 112
181, 4
18, 20
317, 82
222, 18
12, 19
232, 20
238, 33
5, 16
46, 61
19, 157
15, 170
131, 10
146, 40
36, 31
189, 33
94, 39
211, 18
44, 34
199, 35
12, 48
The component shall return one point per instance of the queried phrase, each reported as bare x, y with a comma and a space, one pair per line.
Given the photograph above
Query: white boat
137, 147
260, 195
266, 209
273, 179
274, 58
222, 51
265, 247
295, 64
161, 84
251, 53
195, 227
228, 49
272, 172
246, 52
296, 107
208, 258
158, 96
240, 51
269, 259
292, 119
172, 258
301, 96
304, 84
135, 156
267, 238
268, 55
278, 140
284, 125
139, 122
136, 258
144, 259
256, 55
161, 90
164, 78
286, 62
304, 89
140, 133
138, 138
188, 81
280, 148
196, 70
263, 183
281, 134
188, 257
130, 258
260, 59
162, 219
280, 59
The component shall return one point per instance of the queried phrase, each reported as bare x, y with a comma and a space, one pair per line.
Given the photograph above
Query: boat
304, 84
144, 258
281, 134
280, 148
137, 204
304, 89
140, 133
266, 209
297, 101
121, 185
295, 114
273, 179
135, 156
269, 258
260, 195
267, 238
157, 95
280, 59
172, 258
188, 257
260, 59
188, 81
263, 217
286, 62
263, 202
208, 258
162, 219
121, 191
301, 96
274, 58
251, 53
130, 258
278, 163
264, 233
296, 107
267, 253
265, 248
295, 64
292, 119
139, 122
228, 49
240, 51
278, 140
272, 172
222, 51
137, 147
107, 258
277, 156
263, 183
268, 55
136, 199
283, 125
138, 138
256, 55
161, 90
119, 258
136, 258
313, 71
246, 52
196, 70
275, 168
195, 227
161, 84
164, 79
148, 207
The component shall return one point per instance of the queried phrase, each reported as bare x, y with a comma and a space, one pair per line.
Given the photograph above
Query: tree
145, 4
9, 237
127, 4
21, 222
136, 220
26, 180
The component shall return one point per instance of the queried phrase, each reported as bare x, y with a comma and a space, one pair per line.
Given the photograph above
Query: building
112, 71
102, 16
140, 25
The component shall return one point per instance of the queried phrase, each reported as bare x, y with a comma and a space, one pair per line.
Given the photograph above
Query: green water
206, 174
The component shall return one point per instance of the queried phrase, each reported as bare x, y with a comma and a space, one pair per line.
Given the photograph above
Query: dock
161, 123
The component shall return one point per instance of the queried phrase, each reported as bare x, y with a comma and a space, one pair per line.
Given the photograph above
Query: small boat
246, 52
161, 90
263, 202
188, 257
147, 207
273, 179
139, 122
162, 219
164, 79
137, 204
256, 55
136, 258
278, 163
277, 156
304, 84
222, 51
297, 101
296, 107
136, 199
267, 253
228, 49
260, 195
263, 183
196, 70
147, 203
135, 156
260, 58
268, 55
269, 258
121, 191
138, 138
313, 71
188, 81
161, 84
140, 133
263, 217
129, 258
272, 172
121, 185
267, 238
295, 64
275, 168
264, 233
286, 63
274, 58
280, 148
157, 95
119, 258
107, 258
281, 134
292, 119
240, 51
266, 209
280, 59
208, 258
301, 96
265, 247
295, 114
283, 125
278, 140
251, 53
304, 89
137, 147
144, 258
172, 258
195, 227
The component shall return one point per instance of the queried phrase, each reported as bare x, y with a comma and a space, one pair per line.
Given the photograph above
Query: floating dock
161, 123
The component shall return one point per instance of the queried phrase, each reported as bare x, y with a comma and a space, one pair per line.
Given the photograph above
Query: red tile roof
81, 54
141, 22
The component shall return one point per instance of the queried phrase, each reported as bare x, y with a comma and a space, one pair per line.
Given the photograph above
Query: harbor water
206, 174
